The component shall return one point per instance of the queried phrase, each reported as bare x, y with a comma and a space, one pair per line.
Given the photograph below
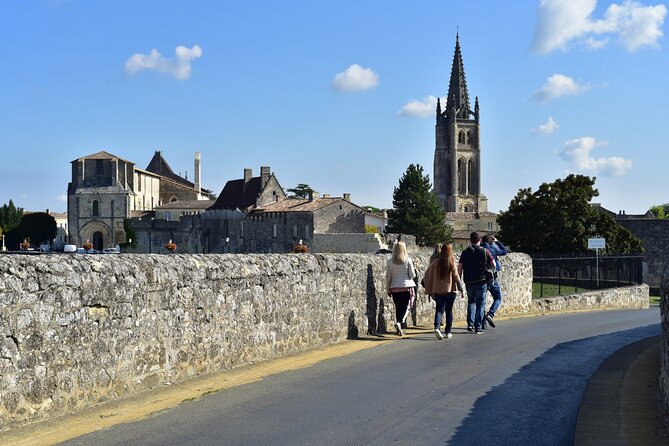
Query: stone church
457, 159
105, 190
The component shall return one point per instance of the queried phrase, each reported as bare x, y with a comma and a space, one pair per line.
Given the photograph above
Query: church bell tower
457, 154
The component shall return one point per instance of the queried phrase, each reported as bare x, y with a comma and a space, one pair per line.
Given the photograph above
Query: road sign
597, 243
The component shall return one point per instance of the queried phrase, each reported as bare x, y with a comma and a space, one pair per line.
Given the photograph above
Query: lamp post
227, 247
3, 243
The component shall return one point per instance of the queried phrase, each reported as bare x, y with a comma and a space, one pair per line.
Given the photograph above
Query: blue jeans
476, 304
444, 302
496, 293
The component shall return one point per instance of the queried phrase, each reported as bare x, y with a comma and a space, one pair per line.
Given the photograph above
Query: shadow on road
539, 403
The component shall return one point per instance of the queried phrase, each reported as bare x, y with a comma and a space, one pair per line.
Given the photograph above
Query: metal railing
558, 275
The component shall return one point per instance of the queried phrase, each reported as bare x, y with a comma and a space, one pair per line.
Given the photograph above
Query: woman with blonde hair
400, 283
442, 281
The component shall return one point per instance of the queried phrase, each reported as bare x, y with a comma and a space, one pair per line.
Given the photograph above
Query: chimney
248, 174
326, 195
264, 176
313, 195
198, 186
347, 197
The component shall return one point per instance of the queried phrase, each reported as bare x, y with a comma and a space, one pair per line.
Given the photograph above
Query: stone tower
457, 154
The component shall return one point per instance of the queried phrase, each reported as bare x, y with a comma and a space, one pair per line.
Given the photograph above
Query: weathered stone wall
655, 236
346, 243
664, 347
80, 329
635, 296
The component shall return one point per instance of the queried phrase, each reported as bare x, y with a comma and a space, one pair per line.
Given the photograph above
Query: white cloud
547, 128
62, 197
563, 24
577, 153
179, 67
559, 85
420, 109
355, 78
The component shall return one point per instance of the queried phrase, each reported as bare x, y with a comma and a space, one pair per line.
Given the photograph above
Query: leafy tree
300, 191
10, 216
36, 227
558, 218
416, 210
661, 211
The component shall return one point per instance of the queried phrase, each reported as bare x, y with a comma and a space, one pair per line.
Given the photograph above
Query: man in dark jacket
497, 249
473, 262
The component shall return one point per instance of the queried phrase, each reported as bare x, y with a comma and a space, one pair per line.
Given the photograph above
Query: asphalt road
520, 384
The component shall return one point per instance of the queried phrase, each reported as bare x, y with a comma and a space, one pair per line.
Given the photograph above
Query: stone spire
458, 97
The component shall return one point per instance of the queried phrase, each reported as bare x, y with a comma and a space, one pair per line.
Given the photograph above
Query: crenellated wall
76, 330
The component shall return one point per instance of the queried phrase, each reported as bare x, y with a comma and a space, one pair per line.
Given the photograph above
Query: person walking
497, 249
442, 281
400, 283
474, 261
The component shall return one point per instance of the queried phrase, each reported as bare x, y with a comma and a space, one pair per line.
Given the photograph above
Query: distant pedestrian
497, 249
442, 281
400, 284
472, 267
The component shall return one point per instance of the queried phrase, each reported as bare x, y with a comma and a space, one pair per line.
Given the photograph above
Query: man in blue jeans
472, 265
497, 249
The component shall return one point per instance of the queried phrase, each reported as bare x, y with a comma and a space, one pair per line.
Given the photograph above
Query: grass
654, 300
551, 290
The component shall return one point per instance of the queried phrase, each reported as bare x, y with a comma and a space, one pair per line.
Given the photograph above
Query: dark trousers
444, 303
401, 304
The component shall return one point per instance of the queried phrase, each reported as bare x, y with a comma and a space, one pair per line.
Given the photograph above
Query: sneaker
479, 331
488, 317
449, 335
470, 329
400, 332
438, 334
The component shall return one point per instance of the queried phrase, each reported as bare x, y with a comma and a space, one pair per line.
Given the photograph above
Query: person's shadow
376, 324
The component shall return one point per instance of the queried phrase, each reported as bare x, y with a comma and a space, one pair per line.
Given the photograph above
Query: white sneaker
400, 332
449, 335
438, 334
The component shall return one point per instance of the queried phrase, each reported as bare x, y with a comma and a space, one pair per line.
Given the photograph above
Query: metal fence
574, 273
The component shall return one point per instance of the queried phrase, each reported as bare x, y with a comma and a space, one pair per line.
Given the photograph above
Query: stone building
106, 189
464, 223
457, 155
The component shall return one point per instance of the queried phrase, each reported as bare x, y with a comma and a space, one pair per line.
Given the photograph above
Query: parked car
70, 248
111, 251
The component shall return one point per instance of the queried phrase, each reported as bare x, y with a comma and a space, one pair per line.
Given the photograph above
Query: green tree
10, 216
300, 191
416, 210
558, 218
661, 211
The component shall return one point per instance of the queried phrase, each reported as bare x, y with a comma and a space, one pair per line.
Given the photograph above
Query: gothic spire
458, 97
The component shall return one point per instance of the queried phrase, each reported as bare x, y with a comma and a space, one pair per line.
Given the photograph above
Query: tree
416, 210
300, 191
10, 216
661, 211
558, 218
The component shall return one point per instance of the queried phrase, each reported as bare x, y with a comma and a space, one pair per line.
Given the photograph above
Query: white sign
597, 243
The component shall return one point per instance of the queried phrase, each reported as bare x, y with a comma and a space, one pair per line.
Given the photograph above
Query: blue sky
338, 95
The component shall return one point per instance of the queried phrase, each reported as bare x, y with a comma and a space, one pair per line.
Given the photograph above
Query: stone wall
664, 346
343, 243
635, 296
76, 330
655, 236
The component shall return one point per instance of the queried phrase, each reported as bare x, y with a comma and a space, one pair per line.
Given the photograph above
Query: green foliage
38, 227
129, 235
558, 218
661, 211
300, 191
10, 216
416, 210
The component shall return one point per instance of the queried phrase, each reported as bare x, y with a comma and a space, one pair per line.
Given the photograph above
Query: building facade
106, 189
457, 155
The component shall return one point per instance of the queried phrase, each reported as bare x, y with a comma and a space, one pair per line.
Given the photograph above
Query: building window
99, 168
470, 176
139, 182
96, 208
489, 226
461, 137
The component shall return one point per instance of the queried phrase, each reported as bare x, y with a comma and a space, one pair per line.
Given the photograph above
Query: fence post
575, 275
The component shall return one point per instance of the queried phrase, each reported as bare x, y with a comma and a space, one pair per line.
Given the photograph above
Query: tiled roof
187, 204
159, 166
298, 205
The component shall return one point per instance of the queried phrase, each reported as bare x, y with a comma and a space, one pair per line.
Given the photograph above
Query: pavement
621, 404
